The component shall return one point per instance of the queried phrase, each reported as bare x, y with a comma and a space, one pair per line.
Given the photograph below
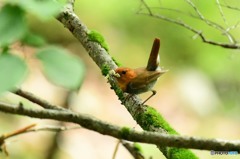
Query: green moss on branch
180, 153
125, 131
97, 37
137, 147
105, 70
151, 118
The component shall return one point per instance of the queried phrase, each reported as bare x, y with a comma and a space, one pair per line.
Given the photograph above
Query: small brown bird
140, 80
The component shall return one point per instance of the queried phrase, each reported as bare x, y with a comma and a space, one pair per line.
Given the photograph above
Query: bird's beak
113, 73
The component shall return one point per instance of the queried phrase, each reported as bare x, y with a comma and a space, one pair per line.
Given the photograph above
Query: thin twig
210, 23
232, 27
17, 132
116, 149
135, 152
164, 9
30, 129
41, 102
147, 7
3, 137
200, 15
231, 45
119, 132
221, 11
231, 7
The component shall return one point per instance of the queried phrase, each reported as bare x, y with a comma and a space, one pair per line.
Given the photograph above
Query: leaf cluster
59, 66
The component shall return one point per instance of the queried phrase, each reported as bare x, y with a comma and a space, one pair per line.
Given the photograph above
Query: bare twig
18, 131
116, 149
232, 42
30, 129
231, 7
210, 23
3, 137
135, 152
131, 148
221, 11
147, 7
41, 102
232, 27
123, 133
53, 128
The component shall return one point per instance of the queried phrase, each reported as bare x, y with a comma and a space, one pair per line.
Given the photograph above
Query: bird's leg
153, 93
131, 95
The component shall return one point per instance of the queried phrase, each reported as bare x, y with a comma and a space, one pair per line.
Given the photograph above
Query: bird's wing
142, 81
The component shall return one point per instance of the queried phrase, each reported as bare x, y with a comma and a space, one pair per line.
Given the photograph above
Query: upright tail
154, 59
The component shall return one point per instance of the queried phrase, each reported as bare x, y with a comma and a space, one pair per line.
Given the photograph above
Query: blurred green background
199, 96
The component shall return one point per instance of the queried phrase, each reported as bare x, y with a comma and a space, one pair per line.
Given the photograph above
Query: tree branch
221, 11
41, 102
131, 148
231, 7
135, 152
225, 31
123, 132
210, 23
29, 129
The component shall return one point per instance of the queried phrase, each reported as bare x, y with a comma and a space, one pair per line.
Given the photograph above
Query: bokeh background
199, 96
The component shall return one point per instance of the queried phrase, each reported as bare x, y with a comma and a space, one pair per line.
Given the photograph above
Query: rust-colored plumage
140, 80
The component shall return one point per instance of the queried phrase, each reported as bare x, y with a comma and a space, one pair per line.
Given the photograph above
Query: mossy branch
125, 133
96, 48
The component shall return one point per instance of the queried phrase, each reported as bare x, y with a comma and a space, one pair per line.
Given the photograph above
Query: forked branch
145, 9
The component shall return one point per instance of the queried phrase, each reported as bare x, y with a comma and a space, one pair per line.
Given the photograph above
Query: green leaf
12, 24
44, 9
61, 67
12, 71
33, 39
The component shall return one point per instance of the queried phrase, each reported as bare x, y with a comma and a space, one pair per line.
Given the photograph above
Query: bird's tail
154, 59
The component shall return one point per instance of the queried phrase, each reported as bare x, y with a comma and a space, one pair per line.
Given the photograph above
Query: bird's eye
124, 72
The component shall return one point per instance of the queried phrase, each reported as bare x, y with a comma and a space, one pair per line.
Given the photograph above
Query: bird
141, 80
